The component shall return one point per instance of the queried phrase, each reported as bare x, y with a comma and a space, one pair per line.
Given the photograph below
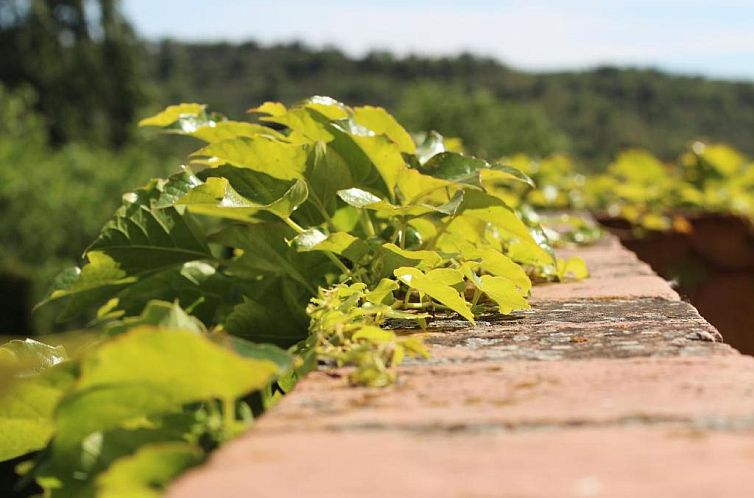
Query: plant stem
366, 223
229, 416
295, 226
421, 306
477, 295
407, 297
332, 257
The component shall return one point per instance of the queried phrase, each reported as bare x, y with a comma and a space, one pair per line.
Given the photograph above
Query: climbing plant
294, 240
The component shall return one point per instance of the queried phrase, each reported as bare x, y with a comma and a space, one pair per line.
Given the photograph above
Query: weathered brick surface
587, 462
580, 329
610, 387
523, 395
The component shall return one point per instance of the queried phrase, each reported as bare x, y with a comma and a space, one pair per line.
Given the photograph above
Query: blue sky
690, 36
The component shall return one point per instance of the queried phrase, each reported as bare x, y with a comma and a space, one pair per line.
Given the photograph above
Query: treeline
93, 77
591, 114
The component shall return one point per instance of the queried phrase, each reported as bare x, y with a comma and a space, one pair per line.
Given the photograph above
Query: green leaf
573, 267
416, 187
499, 171
340, 243
216, 197
175, 367
147, 472
436, 288
508, 227
358, 198
327, 106
33, 356
326, 174
362, 170
100, 270
267, 155
504, 292
500, 265
304, 127
89, 287
394, 257
169, 190
195, 285
275, 314
385, 156
259, 188
193, 120
465, 169
270, 108
429, 145
265, 252
173, 113
72, 471
26, 418
160, 314
256, 351
27, 406
380, 121
218, 131
446, 276
374, 335
142, 238
383, 292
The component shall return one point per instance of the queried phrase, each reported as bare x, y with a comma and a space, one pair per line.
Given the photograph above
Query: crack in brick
703, 424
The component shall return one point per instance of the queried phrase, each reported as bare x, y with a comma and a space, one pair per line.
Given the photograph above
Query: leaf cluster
316, 228
650, 194
115, 420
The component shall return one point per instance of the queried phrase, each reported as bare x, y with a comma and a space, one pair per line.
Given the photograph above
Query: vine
285, 243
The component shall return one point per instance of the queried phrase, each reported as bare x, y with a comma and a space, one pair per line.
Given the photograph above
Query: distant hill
599, 111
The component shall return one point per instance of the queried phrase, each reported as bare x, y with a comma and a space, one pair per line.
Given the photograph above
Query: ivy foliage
296, 240
318, 194
653, 195
650, 194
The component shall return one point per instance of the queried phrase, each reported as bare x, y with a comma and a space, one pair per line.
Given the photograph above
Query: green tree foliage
53, 201
488, 127
600, 111
83, 60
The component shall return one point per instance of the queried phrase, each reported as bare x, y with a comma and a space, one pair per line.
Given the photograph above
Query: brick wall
608, 387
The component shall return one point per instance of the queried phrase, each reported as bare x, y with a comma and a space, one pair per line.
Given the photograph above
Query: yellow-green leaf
373, 334
380, 121
172, 113
225, 130
500, 265
146, 473
261, 153
573, 267
436, 289
216, 197
504, 292
151, 370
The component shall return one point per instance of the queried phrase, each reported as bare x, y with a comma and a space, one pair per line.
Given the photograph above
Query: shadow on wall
712, 267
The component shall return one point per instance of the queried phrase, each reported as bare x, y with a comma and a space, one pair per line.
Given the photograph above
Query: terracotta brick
611, 387
701, 392
616, 462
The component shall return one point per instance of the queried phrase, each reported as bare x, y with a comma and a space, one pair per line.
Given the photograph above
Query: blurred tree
600, 111
488, 127
83, 60
53, 201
